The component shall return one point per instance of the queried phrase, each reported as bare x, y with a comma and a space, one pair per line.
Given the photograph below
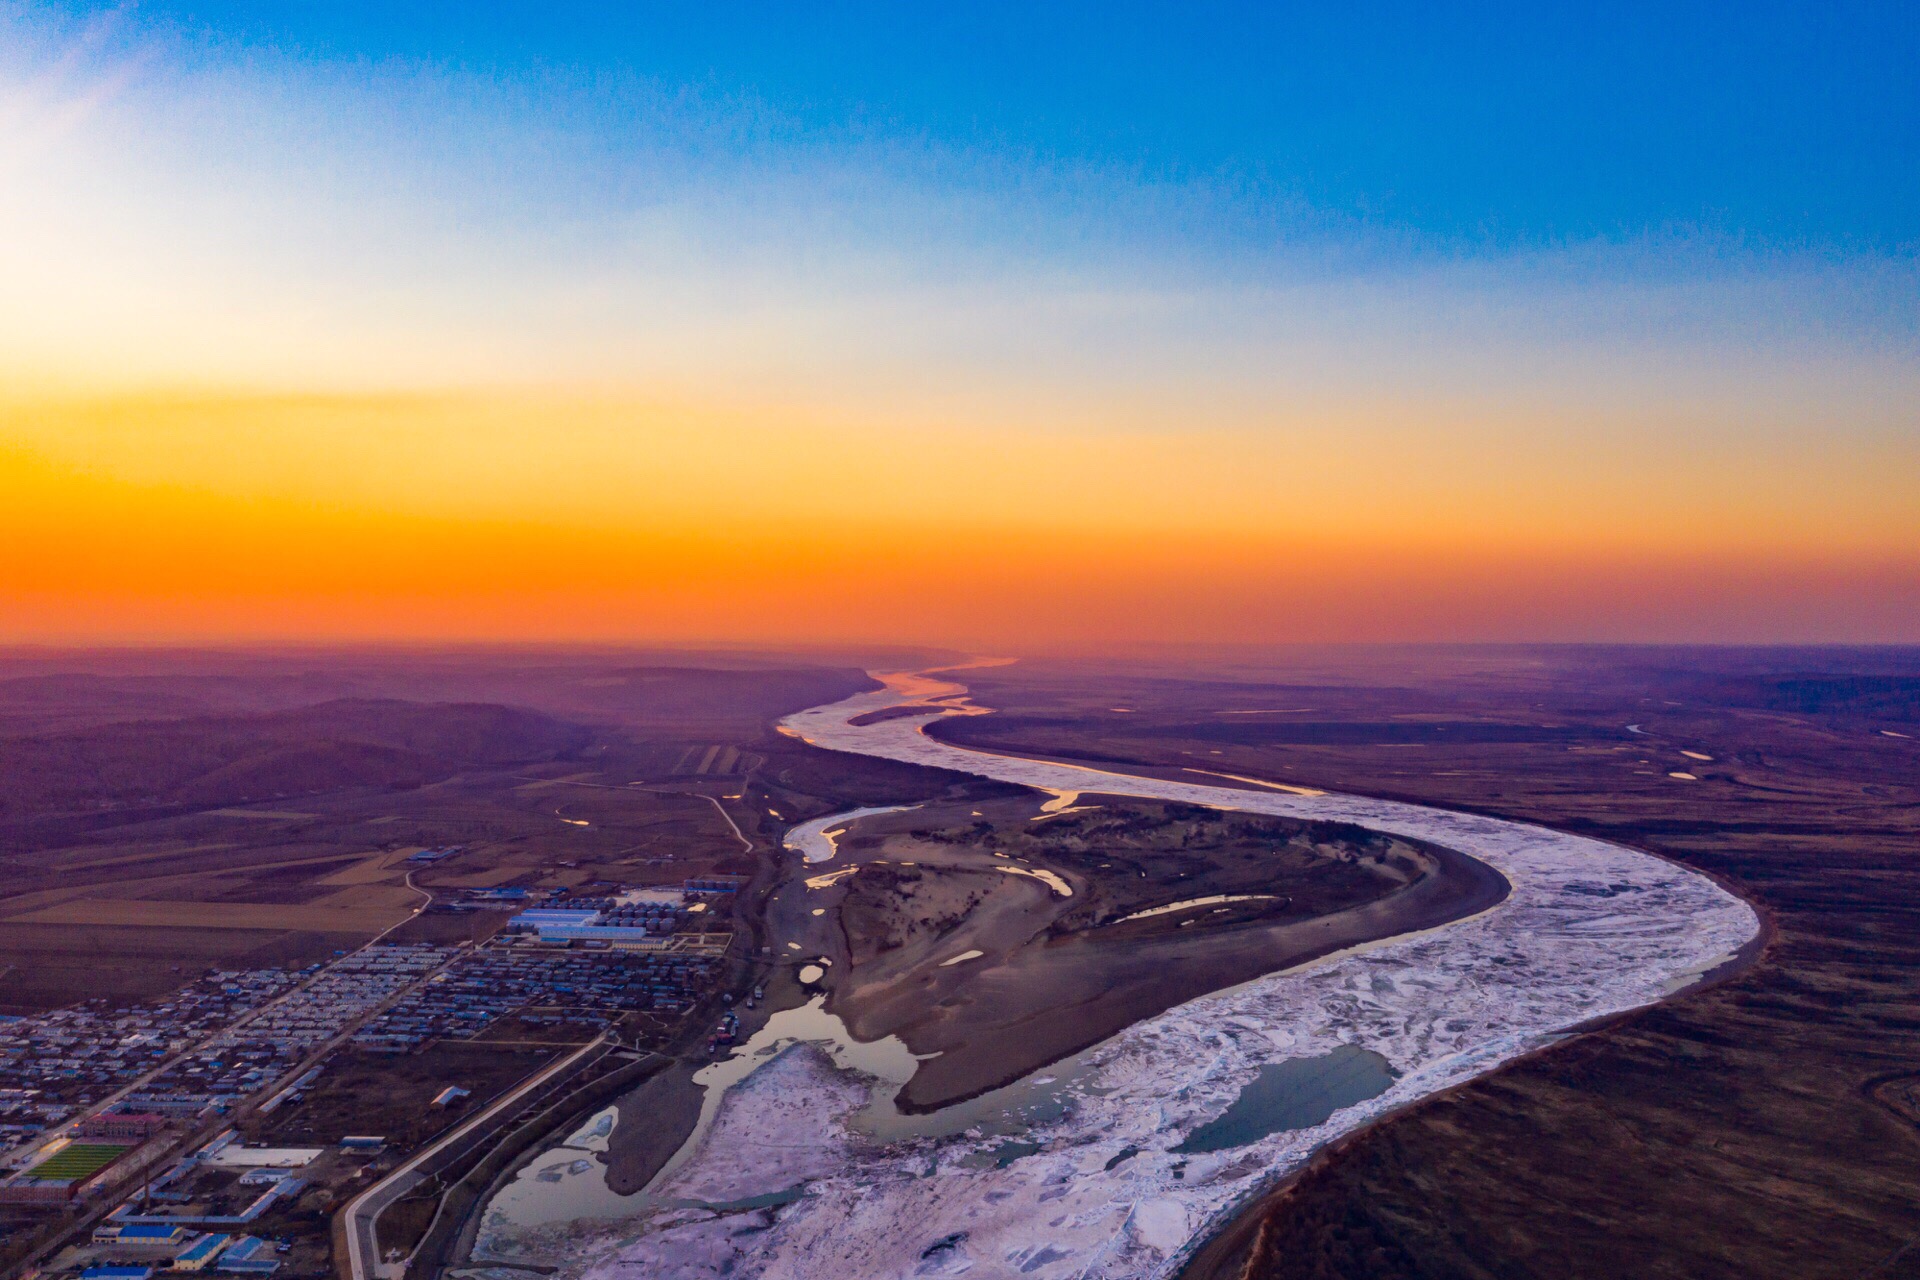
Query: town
208, 1129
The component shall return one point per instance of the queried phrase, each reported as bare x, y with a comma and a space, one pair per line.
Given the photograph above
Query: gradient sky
1005, 325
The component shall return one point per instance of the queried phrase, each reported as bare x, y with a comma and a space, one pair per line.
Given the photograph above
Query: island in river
995, 938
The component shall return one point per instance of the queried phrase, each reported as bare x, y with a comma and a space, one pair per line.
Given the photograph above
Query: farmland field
268, 822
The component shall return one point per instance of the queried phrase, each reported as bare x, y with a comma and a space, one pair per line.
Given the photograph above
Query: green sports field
81, 1160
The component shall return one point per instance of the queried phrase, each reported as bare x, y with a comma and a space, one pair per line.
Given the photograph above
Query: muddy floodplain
995, 937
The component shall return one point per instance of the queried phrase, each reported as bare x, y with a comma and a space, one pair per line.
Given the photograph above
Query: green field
81, 1160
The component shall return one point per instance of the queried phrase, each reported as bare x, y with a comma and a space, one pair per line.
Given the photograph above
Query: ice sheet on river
1440, 1007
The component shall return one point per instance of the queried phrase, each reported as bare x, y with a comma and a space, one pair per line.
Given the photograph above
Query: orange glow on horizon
297, 343
90, 558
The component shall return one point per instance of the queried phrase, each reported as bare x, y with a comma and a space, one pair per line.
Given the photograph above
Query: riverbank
1100, 1190
1050, 975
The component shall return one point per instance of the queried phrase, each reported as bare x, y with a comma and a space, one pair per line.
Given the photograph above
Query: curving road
360, 1219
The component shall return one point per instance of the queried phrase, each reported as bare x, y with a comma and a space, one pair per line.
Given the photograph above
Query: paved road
252, 1015
363, 1212
198, 1133
738, 834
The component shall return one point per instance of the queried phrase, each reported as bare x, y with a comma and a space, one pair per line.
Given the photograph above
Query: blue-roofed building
117, 1273
544, 918
249, 1254
201, 1253
611, 933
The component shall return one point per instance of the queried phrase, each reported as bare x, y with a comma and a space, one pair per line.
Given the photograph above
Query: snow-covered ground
1589, 929
819, 840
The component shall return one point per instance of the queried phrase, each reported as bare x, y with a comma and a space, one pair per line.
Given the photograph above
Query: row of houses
183, 1250
54, 1063
503, 980
247, 1058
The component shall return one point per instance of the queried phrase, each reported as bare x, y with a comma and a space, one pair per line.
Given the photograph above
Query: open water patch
771, 1200
1001, 1154
1299, 1093
563, 1184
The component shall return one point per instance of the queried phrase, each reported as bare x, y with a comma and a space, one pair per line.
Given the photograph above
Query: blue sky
1687, 200
1467, 128
1625, 281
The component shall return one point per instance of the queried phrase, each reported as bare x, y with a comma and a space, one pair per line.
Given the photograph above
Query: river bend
1100, 1190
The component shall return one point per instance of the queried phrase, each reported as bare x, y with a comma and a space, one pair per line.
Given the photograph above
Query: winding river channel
1120, 1161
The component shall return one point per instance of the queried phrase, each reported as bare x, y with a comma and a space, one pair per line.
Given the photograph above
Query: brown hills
212, 761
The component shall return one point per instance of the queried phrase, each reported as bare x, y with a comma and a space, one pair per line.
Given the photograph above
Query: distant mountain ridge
601, 692
221, 760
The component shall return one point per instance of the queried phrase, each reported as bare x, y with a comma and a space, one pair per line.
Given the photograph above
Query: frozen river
1106, 1183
